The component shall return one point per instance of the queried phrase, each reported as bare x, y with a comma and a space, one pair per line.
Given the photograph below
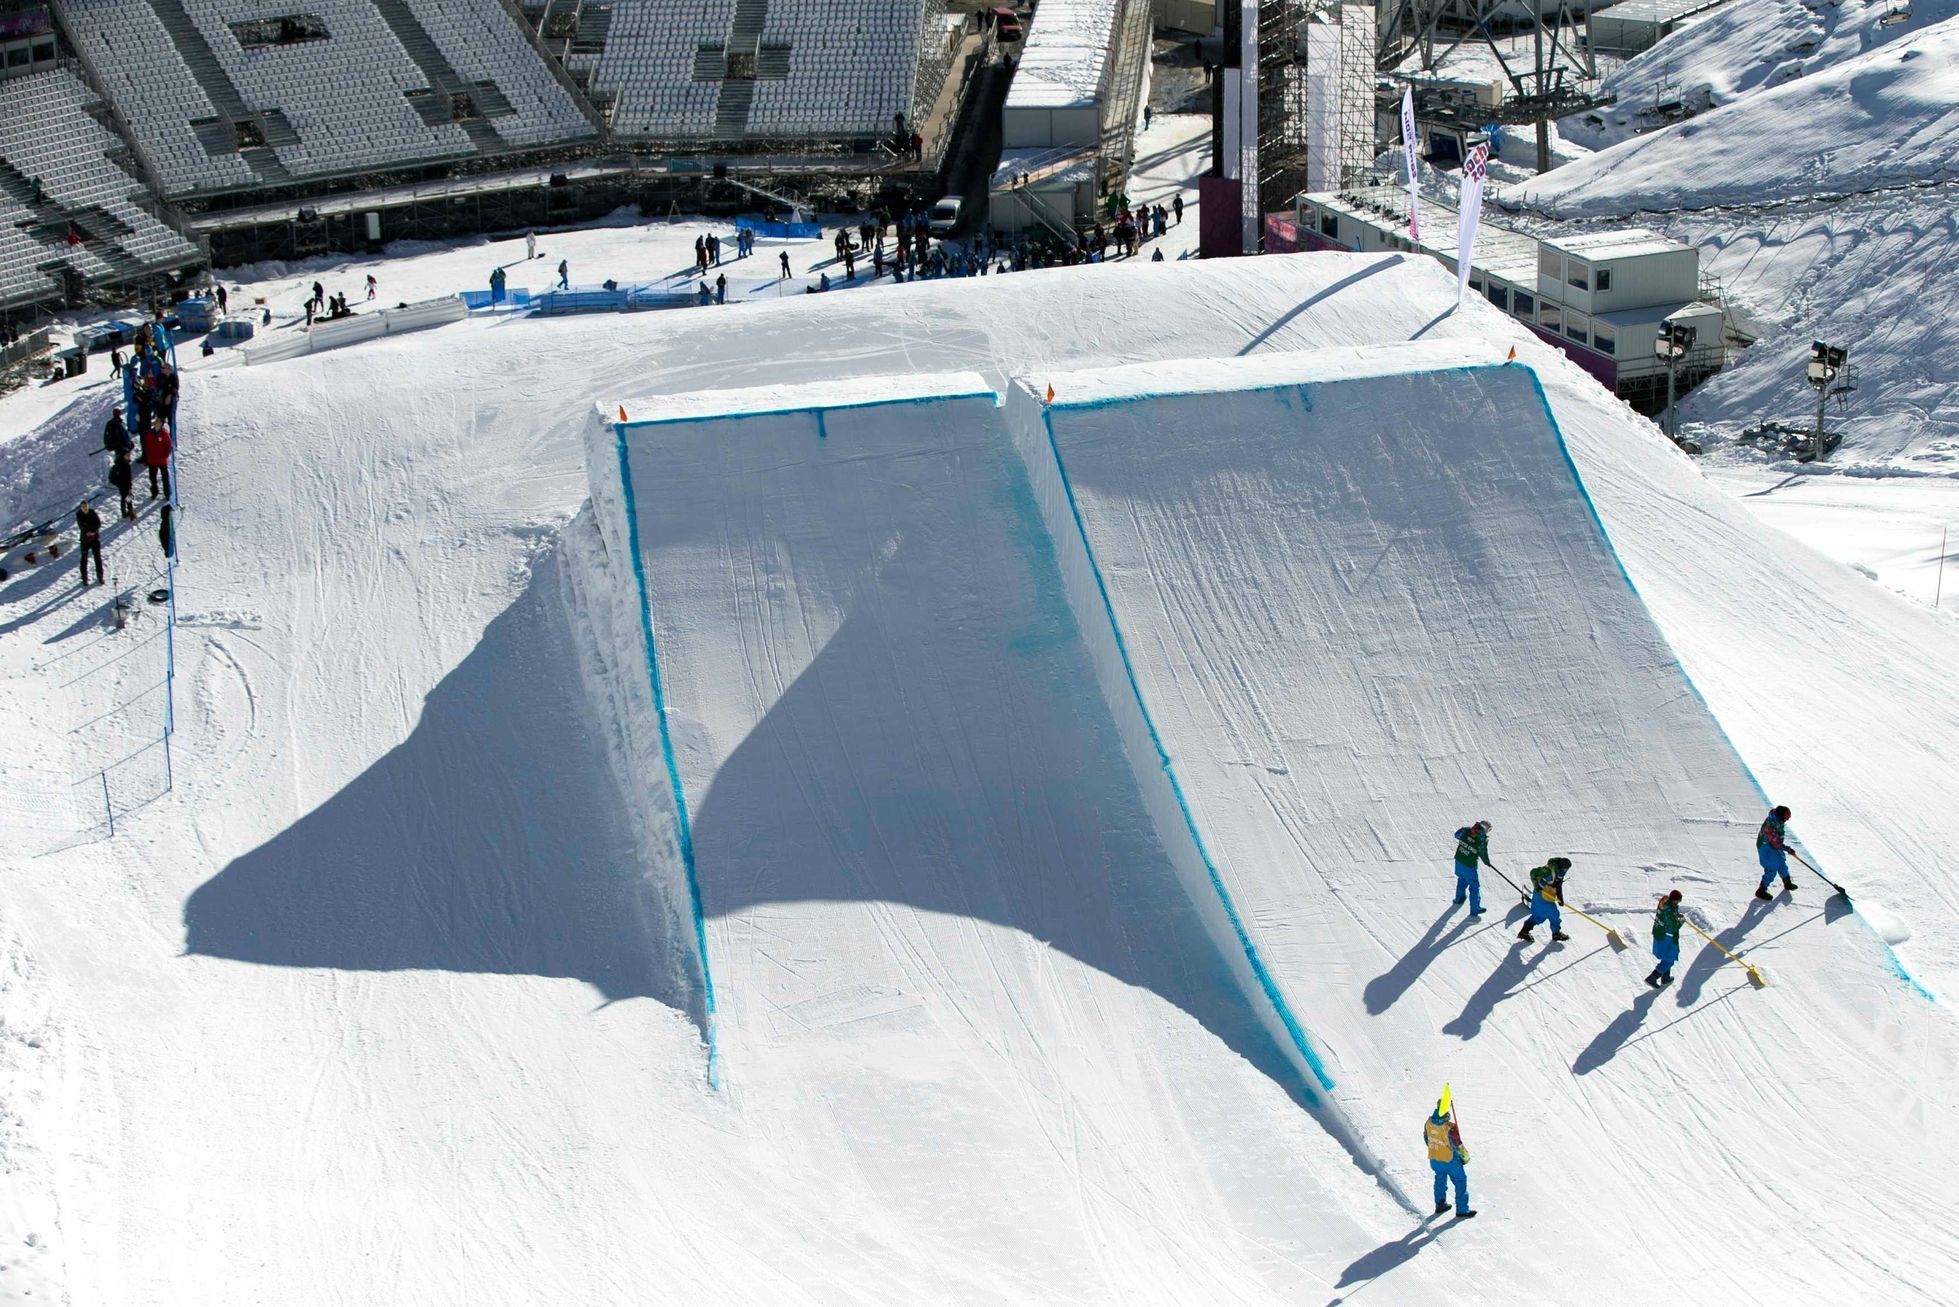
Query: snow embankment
1886, 117
1742, 47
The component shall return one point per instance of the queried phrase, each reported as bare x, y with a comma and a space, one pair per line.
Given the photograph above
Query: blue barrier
786, 231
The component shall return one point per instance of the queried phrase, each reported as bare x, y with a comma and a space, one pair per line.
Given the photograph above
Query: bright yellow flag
1442, 1108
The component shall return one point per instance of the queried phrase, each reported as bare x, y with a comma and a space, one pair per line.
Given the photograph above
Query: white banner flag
1474, 170
1408, 153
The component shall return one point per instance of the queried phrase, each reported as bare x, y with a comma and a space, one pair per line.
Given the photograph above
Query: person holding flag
1472, 847
1448, 1157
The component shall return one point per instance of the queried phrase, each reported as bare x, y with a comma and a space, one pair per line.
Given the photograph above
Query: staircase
443, 79
217, 86
744, 38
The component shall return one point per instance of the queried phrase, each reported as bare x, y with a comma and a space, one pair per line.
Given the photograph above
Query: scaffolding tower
1315, 97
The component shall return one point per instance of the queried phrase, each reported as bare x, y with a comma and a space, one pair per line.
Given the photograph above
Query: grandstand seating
372, 94
48, 134
480, 40
141, 71
841, 69
346, 96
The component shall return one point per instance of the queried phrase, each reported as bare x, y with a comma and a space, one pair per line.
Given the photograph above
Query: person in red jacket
156, 454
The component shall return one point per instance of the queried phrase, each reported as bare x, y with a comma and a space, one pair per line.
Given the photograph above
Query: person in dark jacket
123, 477
166, 533
1666, 941
115, 436
88, 523
1772, 851
157, 447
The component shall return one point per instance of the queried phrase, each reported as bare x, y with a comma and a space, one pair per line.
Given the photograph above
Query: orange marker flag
1513, 355
622, 407
1050, 398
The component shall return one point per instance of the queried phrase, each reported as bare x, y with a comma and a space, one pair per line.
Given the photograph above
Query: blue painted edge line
1585, 493
684, 824
839, 407
1293, 1028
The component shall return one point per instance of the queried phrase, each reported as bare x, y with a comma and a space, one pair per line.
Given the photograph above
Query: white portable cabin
1637, 25
1055, 98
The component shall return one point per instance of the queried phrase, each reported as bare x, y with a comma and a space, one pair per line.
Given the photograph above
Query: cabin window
1578, 329
1550, 317
1330, 225
1499, 296
1525, 305
1604, 339
1578, 275
1549, 264
1602, 279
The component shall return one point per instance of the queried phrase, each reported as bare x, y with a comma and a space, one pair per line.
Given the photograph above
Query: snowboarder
1547, 893
784, 256
530, 245
156, 455
1472, 847
1772, 851
1666, 940
88, 524
1448, 1158
123, 477
564, 275
372, 285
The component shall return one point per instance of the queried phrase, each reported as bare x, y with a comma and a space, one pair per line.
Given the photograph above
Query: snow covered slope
1357, 593
437, 1036
1745, 46
1887, 117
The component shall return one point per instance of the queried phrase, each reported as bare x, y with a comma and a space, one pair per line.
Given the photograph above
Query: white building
1598, 296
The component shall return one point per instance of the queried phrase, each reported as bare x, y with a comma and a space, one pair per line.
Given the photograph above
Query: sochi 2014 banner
1408, 154
1474, 170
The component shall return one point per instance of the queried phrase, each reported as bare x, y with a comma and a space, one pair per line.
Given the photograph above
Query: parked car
1006, 25
944, 217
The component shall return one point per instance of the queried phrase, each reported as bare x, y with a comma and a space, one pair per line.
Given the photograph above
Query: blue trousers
1469, 883
1774, 863
1667, 950
1542, 909
1444, 1173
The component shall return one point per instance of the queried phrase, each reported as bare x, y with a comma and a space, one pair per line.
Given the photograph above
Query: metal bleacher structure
275, 128
698, 71
68, 207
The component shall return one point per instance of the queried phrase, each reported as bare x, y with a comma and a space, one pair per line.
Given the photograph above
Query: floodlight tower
1826, 362
1672, 344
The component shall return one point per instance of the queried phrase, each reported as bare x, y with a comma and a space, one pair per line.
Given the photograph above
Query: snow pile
1886, 117
395, 993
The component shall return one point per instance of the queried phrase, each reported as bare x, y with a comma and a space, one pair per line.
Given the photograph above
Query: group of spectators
322, 306
152, 388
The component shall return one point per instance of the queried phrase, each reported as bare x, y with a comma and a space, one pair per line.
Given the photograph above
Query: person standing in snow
157, 447
564, 275
1547, 894
88, 524
1666, 940
372, 285
1772, 851
1448, 1157
784, 256
115, 436
497, 280
704, 296
123, 477
1472, 847
222, 302
721, 288
1177, 207
530, 245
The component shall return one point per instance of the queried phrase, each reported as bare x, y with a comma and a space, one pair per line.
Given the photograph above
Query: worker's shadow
1373, 1265
1508, 977
1386, 989
1710, 959
1610, 1040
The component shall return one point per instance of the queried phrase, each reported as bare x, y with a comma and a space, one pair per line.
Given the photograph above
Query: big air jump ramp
1054, 771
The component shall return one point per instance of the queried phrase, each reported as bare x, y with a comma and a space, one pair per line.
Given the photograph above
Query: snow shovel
1612, 936
1754, 974
1521, 892
1819, 875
